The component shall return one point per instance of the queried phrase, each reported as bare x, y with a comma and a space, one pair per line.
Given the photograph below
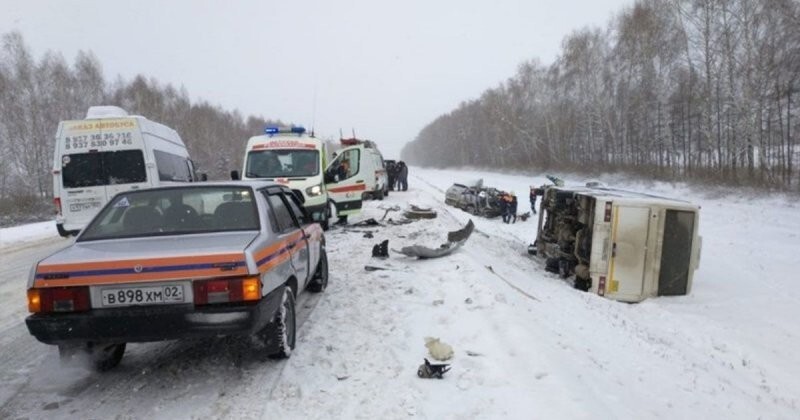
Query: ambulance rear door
345, 181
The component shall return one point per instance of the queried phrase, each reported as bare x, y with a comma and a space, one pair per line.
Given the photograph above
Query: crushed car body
623, 245
475, 199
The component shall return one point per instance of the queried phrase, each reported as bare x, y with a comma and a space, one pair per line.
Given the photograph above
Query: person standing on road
533, 199
391, 174
505, 206
512, 207
402, 177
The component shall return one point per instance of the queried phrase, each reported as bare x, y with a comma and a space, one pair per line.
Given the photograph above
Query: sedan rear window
175, 211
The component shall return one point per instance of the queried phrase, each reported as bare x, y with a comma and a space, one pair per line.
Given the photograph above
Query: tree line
697, 89
36, 94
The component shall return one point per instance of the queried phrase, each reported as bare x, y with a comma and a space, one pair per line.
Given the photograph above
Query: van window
172, 167
102, 168
282, 163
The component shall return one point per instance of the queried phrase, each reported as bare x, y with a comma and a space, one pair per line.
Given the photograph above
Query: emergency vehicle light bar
271, 129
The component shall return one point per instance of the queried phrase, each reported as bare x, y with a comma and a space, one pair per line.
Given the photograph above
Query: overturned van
623, 245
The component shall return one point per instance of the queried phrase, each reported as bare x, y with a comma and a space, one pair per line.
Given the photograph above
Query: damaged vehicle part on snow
415, 212
455, 240
381, 250
623, 245
430, 370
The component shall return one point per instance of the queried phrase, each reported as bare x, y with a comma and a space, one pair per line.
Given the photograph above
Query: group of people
398, 175
508, 207
508, 204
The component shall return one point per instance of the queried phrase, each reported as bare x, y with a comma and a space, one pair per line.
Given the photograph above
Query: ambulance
289, 156
366, 171
109, 152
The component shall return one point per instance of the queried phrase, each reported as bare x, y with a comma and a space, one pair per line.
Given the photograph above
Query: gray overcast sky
383, 68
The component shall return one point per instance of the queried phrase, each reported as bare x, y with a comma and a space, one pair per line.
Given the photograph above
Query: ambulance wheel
281, 332
320, 280
379, 194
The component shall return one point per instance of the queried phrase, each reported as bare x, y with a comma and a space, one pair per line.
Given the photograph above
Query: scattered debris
454, 241
393, 208
399, 222
416, 212
437, 349
524, 216
438, 302
524, 293
430, 370
381, 250
368, 235
367, 222
473, 353
342, 378
468, 301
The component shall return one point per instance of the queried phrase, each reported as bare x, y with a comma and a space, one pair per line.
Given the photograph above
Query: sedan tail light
226, 290
59, 299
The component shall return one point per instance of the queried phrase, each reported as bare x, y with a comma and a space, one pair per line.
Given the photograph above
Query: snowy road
526, 344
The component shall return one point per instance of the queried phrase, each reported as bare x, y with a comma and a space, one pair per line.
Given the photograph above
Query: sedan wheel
320, 280
283, 328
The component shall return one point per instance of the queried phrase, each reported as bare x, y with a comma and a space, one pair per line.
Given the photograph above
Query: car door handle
360, 181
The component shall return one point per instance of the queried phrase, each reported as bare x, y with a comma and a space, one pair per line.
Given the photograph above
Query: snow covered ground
526, 344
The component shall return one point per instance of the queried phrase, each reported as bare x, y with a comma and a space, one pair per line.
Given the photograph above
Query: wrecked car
475, 199
623, 245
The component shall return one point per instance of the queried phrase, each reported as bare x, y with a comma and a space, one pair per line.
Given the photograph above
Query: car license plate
142, 295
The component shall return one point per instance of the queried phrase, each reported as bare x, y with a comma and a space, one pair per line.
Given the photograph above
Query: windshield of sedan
282, 163
175, 211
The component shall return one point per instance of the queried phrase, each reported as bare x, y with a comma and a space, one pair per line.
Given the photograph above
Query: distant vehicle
289, 156
199, 260
109, 152
619, 244
475, 199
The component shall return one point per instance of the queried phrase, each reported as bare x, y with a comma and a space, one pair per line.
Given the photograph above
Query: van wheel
378, 194
283, 328
320, 280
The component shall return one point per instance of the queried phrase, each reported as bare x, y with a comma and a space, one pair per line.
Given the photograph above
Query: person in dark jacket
391, 173
402, 176
534, 193
505, 206
512, 207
